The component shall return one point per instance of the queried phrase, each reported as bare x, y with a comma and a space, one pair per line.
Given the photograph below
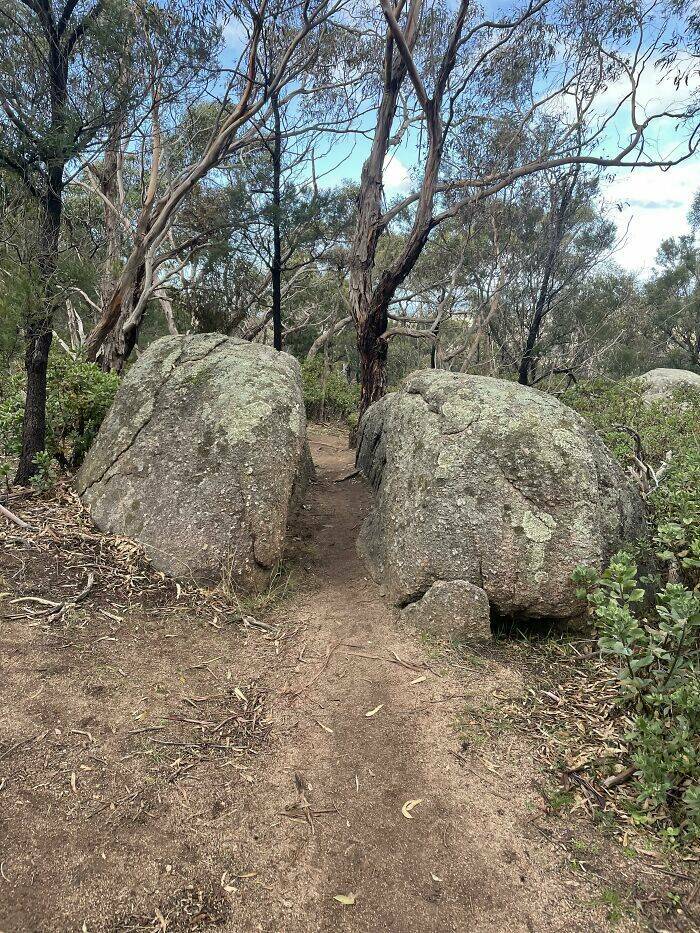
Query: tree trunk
528, 360
276, 268
373, 377
109, 343
373, 351
108, 181
118, 345
39, 329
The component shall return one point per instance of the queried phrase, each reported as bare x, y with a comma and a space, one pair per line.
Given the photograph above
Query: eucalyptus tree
469, 89
673, 301
235, 121
70, 70
559, 236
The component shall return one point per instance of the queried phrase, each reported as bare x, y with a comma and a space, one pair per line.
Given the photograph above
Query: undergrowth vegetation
327, 394
646, 603
78, 396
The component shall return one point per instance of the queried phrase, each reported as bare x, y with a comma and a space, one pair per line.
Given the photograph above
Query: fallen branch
56, 610
615, 779
347, 476
11, 517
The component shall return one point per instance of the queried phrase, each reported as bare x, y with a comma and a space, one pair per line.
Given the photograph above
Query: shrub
78, 396
653, 637
665, 427
331, 397
662, 426
650, 626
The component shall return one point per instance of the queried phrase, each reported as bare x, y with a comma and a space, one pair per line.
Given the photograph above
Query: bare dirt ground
166, 765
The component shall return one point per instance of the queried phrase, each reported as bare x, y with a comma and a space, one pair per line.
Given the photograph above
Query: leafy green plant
676, 510
652, 634
45, 475
78, 396
668, 432
327, 394
663, 426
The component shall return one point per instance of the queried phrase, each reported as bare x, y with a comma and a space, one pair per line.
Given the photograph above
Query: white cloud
235, 34
653, 206
656, 92
395, 175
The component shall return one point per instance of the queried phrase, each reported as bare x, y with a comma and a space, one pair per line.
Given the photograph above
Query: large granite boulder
202, 457
661, 383
484, 481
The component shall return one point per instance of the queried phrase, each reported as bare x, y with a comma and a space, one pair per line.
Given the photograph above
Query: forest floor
299, 763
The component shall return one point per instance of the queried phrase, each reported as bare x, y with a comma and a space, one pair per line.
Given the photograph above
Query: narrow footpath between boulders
390, 816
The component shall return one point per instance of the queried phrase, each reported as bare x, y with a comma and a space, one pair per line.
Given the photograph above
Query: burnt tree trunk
276, 267
528, 360
39, 330
39, 324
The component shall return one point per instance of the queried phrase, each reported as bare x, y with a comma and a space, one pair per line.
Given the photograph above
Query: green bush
669, 432
329, 398
78, 396
672, 424
649, 626
652, 634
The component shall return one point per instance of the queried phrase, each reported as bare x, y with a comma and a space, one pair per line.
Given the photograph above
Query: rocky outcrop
202, 457
484, 481
661, 383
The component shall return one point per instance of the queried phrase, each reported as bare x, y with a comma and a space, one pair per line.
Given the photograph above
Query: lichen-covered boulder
202, 457
487, 482
451, 607
661, 383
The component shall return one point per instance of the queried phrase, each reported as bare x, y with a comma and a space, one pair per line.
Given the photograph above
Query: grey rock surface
485, 481
202, 457
451, 607
661, 383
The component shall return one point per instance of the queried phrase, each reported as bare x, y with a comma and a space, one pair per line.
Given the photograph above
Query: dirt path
162, 770
468, 859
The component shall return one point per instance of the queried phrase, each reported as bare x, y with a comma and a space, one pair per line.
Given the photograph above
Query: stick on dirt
11, 517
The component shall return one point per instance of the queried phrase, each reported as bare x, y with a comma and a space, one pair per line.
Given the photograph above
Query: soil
167, 766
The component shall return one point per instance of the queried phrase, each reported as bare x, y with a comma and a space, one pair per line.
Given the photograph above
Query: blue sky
648, 205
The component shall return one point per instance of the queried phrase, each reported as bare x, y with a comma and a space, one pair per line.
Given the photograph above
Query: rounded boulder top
661, 383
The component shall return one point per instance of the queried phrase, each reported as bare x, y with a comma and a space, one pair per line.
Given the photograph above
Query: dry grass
113, 571
185, 911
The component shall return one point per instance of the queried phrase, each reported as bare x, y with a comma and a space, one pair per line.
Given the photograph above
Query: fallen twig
614, 779
11, 517
347, 476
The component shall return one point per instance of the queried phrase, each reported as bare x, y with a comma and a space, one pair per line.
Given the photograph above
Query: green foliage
45, 474
668, 430
78, 396
653, 638
662, 426
649, 626
328, 395
673, 300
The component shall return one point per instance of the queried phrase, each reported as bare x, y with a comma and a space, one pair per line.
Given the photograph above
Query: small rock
451, 607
